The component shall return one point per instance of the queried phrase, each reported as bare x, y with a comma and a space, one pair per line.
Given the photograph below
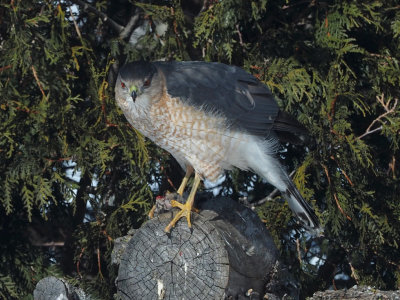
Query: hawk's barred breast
202, 138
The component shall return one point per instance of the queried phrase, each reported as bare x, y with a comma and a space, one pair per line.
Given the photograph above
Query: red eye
122, 85
147, 82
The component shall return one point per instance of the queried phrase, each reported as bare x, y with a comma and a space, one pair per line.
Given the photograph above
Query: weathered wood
357, 292
227, 254
50, 288
53, 288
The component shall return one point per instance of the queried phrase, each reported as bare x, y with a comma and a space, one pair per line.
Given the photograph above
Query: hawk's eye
122, 85
147, 83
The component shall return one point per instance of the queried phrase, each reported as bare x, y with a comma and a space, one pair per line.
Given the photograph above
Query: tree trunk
227, 254
53, 288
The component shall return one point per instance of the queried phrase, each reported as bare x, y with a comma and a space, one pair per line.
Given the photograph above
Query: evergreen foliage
74, 175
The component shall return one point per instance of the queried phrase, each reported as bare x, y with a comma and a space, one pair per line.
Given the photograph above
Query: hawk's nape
211, 117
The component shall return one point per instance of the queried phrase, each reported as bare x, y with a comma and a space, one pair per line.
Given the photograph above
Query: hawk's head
137, 85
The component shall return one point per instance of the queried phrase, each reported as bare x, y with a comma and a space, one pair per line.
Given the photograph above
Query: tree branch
388, 110
271, 195
80, 200
76, 25
334, 194
123, 31
5, 68
38, 82
128, 27
102, 15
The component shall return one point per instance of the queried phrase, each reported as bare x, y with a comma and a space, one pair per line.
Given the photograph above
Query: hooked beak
133, 95
133, 90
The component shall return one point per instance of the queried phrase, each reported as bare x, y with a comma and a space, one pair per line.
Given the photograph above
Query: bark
52, 288
357, 292
228, 254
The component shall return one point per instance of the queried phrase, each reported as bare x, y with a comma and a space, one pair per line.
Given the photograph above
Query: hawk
211, 117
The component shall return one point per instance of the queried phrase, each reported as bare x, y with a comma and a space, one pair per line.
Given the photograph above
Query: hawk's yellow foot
185, 209
151, 212
189, 171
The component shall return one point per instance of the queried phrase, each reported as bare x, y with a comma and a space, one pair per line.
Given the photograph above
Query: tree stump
53, 288
228, 254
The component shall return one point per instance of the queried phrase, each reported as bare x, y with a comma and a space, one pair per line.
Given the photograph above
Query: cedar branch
99, 263
79, 261
128, 27
388, 110
5, 68
100, 14
240, 35
271, 195
76, 25
343, 172
38, 82
334, 194
391, 167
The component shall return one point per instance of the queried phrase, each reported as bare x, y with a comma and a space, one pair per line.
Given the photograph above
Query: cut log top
51, 288
227, 253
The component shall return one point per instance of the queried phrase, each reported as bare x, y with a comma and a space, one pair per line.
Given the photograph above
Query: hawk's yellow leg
185, 208
151, 212
189, 171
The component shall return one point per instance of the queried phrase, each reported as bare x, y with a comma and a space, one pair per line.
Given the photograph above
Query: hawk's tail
301, 208
259, 158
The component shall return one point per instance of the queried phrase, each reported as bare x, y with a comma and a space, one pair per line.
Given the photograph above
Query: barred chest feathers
193, 136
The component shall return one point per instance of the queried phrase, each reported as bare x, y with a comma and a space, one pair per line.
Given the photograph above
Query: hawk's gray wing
246, 102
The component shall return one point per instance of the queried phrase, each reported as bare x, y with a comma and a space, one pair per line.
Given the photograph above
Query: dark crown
137, 70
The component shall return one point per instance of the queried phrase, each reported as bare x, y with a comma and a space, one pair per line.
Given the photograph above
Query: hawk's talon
185, 210
175, 203
151, 212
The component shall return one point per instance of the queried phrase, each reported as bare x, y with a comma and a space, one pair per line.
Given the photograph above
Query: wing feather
247, 103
